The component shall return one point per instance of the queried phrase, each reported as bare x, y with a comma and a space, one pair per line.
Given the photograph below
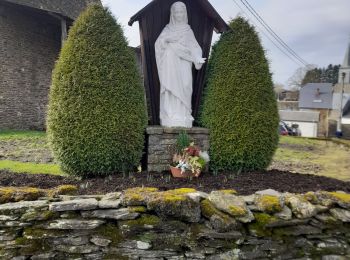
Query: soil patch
26, 150
245, 183
297, 147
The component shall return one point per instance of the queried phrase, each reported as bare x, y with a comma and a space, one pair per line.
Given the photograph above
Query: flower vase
176, 172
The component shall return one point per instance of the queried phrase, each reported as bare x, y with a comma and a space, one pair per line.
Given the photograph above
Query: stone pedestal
162, 142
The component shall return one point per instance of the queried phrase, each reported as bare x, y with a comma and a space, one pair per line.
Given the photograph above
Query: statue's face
179, 14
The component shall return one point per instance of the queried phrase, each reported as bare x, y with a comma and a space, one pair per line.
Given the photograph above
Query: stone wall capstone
144, 223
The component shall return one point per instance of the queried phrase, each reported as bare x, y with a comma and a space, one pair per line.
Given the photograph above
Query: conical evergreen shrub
239, 105
96, 116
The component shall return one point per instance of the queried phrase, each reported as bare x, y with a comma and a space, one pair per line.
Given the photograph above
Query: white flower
205, 156
182, 165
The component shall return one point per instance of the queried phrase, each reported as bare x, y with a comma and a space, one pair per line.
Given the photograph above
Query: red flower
193, 151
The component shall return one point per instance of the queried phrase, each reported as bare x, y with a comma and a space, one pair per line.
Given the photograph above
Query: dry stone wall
143, 223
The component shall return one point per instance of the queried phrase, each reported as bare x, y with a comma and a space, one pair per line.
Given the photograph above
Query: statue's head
178, 14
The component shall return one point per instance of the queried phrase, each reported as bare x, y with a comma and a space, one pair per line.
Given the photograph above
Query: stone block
154, 130
98, 241
84, 249
78, 224
24, 205
117, 214
84, 204
109, 204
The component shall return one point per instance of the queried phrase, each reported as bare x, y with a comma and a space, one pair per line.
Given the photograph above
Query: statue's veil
173, 25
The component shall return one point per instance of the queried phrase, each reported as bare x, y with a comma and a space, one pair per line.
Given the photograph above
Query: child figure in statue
176, 50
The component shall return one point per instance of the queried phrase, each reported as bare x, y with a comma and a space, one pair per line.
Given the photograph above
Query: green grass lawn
34, 168
329, 158
28, 151
18, 135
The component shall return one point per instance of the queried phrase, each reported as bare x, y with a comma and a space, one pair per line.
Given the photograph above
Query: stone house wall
30, 41
67, 8
29, 45
322, 127
323, 123
288, 105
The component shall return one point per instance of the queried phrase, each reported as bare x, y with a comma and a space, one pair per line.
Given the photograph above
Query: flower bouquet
189, 160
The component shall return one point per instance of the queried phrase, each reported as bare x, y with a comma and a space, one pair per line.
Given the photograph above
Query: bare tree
278, 88
295, 81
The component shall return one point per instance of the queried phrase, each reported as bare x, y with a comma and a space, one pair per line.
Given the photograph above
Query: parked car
295, 130
285, 129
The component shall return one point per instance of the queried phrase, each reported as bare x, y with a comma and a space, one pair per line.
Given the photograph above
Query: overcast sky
317, 30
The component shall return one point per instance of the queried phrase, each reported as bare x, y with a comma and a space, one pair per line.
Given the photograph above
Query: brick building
31, 33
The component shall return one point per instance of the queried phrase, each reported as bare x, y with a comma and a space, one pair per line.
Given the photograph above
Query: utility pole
339, 132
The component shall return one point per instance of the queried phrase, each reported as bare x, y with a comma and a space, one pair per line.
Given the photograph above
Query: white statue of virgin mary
176, 50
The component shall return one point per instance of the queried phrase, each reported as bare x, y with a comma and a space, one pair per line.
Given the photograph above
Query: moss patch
237, 211
142, 221
182, 191
268, 203
137, 196
208, 210
342, 197
168, 197
311, 197
110, 232
63, 190
32, 247
14, 194
230, 192
139, 209
258, 228
39, 233
39, 215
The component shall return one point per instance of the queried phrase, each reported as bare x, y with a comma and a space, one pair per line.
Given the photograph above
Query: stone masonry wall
143, 223
30, 41
68, 8
29, 45
161, 144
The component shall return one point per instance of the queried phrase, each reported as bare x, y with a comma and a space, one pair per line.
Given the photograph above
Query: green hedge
239, 105
96, 116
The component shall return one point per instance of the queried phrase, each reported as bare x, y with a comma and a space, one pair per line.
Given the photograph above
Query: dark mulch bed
245, 183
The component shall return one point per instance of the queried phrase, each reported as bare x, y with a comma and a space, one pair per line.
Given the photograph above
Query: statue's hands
199, 63
201, 60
